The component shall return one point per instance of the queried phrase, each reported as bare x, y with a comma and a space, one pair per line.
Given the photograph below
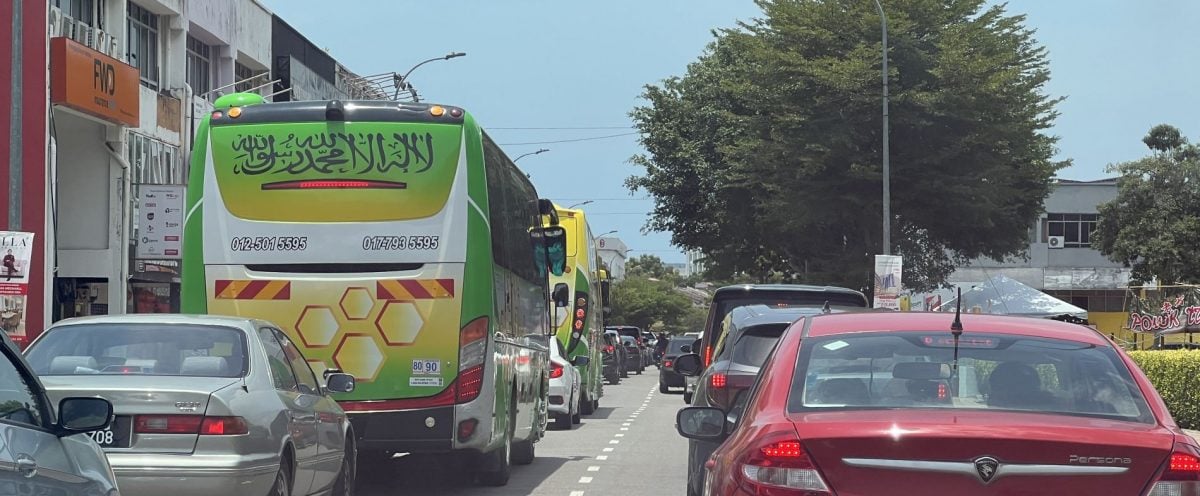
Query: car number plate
430, 367
116, 435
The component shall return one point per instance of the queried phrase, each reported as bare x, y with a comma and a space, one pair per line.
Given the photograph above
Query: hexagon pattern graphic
358, 355
318, 367
317, 326
399, 323
356, 303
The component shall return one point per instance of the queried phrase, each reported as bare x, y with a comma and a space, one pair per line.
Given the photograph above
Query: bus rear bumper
424, 430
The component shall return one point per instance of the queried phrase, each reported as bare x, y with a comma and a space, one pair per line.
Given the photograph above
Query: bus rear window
335, 172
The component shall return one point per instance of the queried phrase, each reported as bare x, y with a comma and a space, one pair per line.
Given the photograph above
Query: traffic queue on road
802, 390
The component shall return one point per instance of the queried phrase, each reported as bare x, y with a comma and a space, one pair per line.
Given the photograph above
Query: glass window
1076, 229
304, 374
676, 345
18, 403
244, 75
281, 372
752, 345
143, 43
80, 10
140, 349
199, 66
995, 372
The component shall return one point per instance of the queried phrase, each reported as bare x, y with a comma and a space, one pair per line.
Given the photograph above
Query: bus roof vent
335, 111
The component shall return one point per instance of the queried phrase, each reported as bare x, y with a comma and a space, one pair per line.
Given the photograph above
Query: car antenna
826, 309
956, 328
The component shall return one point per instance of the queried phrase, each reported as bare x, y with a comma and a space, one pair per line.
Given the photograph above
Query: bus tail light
472, 351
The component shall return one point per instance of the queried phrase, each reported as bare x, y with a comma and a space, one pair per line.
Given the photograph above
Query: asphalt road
628, 447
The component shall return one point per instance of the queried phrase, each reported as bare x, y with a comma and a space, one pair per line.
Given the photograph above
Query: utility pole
887, 172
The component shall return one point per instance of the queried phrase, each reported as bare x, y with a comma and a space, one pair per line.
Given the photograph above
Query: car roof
164, 318
747, 288
835, 324
750, 315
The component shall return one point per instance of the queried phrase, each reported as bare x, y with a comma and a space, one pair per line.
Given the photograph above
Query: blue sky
1123, 66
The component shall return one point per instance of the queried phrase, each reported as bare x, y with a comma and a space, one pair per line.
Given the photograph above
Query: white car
42, 454
564, 385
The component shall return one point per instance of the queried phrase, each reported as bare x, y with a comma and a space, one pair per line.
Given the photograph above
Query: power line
628, 198
570, 140
562, 128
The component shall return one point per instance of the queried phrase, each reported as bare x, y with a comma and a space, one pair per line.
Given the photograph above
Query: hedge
1176, 376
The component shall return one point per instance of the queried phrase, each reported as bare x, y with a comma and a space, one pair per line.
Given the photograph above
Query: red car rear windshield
995, 372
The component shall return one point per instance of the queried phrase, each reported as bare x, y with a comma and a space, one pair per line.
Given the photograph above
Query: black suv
667, 376
613, 355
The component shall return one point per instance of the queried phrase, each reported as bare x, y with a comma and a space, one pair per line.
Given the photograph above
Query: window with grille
199, 66
81, 10
143, 43
243, 74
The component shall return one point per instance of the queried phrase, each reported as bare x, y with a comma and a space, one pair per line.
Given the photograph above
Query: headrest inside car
921, 371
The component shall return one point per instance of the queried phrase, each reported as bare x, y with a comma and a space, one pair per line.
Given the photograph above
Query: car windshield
676, 345
994, 372
752, 345
628, 341
145, 349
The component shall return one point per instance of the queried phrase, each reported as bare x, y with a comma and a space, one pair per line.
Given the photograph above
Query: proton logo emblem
187, 406
986, 467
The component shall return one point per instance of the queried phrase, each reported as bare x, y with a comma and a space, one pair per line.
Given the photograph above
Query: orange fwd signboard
93, 83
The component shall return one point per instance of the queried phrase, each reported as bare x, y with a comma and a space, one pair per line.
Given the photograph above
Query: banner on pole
1169, 310
16, 252
887, 281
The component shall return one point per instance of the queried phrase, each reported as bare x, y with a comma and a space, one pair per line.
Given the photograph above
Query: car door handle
26, 465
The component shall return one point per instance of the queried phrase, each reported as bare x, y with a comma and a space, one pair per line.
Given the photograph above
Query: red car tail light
667, 364
718, 380
224, 426
1182, 476
556, 370
610, 348
781, 467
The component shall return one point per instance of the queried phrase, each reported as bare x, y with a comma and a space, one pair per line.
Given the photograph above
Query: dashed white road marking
608, 450
602, 457
594, 468
585, 480
576, 493
614, 441
620, 435
624, 428
626, 424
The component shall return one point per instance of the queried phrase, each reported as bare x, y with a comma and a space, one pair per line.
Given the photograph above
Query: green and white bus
398, 244
580, 327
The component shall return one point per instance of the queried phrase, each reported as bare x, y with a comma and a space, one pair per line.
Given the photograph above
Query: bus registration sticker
425, 381
427, 367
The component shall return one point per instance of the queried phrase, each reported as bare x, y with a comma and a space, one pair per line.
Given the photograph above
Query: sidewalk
1195, 434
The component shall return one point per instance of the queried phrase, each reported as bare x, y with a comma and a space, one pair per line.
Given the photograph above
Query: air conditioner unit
68, 27
55, 19
1056, 242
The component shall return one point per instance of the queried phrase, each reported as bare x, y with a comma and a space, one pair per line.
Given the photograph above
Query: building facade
1061, 259
106, 107
613, 252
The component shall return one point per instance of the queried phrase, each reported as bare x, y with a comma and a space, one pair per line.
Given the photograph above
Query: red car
897, 404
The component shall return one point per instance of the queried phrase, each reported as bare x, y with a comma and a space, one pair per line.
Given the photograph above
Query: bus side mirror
561, 295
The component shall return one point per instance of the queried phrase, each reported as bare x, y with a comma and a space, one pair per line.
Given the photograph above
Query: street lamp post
887, 170
401, 82
614, 231
582, 204
543, 150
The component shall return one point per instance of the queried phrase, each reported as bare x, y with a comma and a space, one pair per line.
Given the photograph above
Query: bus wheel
586, 404
498, 466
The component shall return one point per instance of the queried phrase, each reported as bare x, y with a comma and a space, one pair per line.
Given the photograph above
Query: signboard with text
93, 83
887, 281
1164, 311
16, 252
160, 226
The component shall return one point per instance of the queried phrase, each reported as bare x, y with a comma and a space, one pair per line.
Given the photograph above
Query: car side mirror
78, 415
581, 361
687, 348
688, 365
339, 382
561, 295
700, 423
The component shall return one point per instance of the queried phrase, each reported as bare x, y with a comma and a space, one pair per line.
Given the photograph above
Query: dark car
634, 361
647, 355
613, 355
751, 333
778, 295
667, 376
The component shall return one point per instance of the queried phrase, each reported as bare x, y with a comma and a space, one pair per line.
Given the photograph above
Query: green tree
650, 266
766, 154
1153, 226
645, 303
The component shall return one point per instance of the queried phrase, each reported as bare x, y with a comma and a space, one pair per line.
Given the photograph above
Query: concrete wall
253, 34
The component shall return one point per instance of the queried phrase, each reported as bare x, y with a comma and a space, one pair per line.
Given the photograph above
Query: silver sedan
204, 405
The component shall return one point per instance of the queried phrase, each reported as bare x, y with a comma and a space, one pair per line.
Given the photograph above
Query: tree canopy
1153, 226
648, 304
766, 154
